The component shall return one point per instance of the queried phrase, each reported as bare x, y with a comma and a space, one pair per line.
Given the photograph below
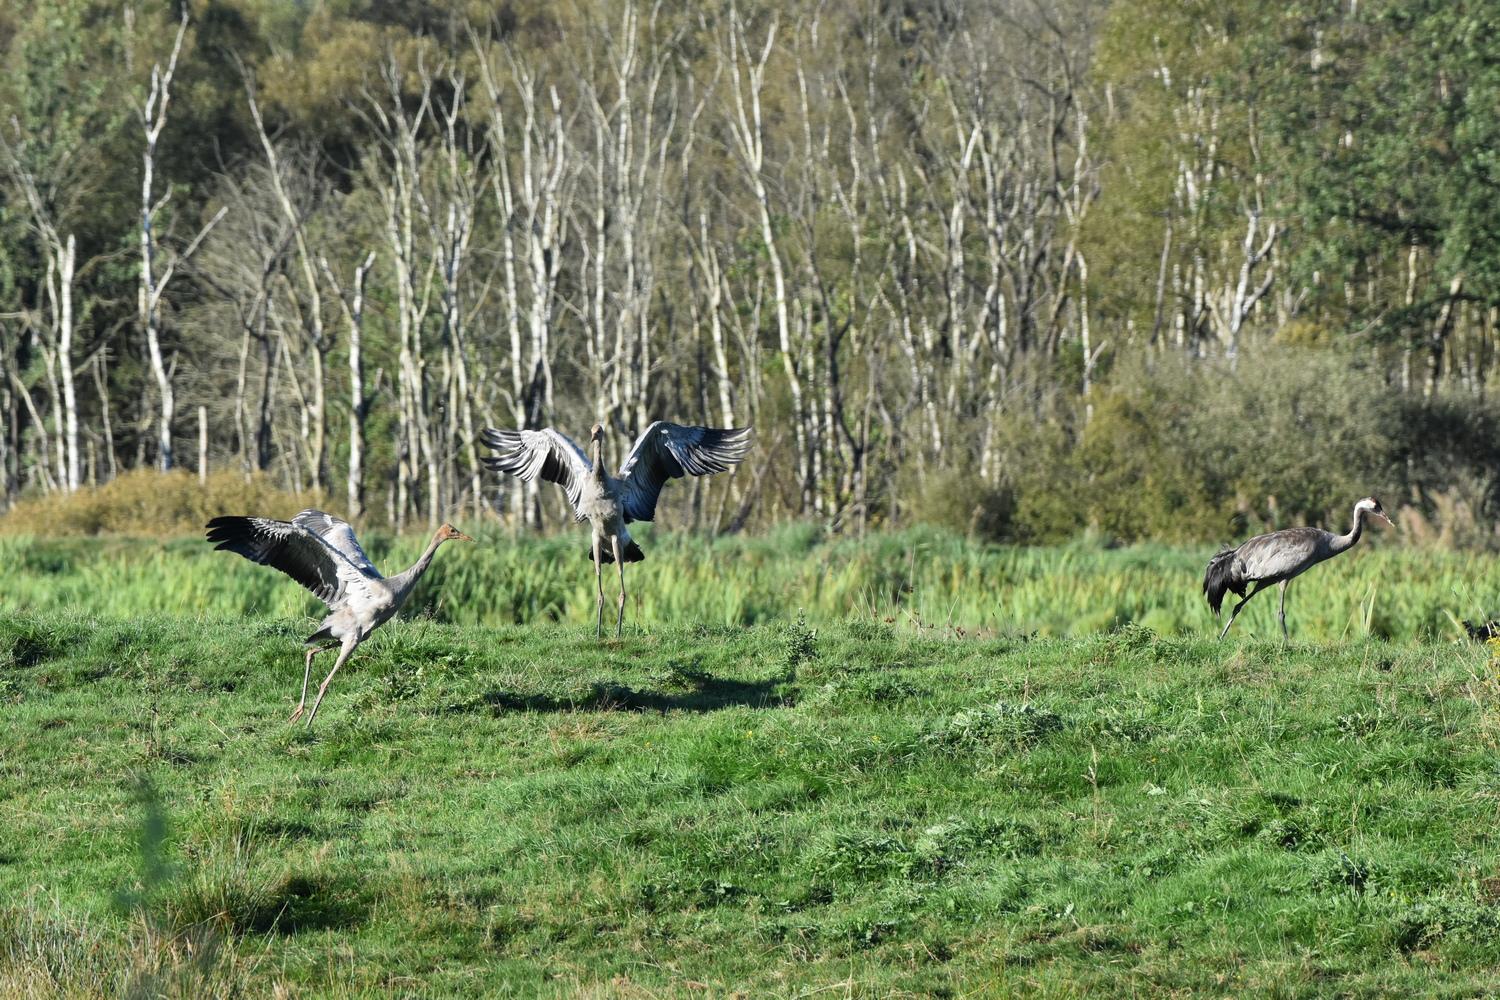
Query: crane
664, 451
1278, 557
320, 552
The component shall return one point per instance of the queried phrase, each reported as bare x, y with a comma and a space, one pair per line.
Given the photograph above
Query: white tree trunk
202, 446
154, 118
747, 79
354, 316
65, 360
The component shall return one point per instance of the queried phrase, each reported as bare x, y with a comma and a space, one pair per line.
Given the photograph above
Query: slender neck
1342, 542
407, 578
597, 447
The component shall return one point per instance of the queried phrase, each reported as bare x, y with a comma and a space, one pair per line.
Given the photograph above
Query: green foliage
1183, 450
1387, 119
961, 501
801, 643
998, 727
1178, 451
1173, 104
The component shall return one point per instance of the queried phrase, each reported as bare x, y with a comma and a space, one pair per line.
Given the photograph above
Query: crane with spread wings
665, 451
320, 552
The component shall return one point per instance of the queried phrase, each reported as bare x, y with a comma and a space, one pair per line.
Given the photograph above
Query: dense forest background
1025, 268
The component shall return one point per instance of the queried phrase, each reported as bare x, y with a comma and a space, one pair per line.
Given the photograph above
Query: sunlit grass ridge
915, 577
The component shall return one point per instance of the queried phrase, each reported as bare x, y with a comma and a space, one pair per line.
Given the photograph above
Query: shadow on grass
706, 694
223, 889
291, 904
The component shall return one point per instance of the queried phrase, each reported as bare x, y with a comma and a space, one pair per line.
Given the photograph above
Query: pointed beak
461, 537
1382, 515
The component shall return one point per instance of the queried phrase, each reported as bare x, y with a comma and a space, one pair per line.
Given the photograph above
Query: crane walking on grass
665, 451
320, 552
1277, 558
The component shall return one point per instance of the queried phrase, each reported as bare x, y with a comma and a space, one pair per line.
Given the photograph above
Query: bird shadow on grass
704, 693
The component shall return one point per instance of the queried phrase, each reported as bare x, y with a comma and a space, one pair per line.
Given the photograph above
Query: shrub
961, 501
1181, 449
145, 502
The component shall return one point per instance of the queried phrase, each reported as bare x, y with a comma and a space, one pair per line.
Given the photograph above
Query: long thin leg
614, 541
1235, 613
1284, 584
306, 673
349, 645
599, 581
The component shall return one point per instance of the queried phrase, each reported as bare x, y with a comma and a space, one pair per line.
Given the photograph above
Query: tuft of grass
150, 950
998, 727
801, 642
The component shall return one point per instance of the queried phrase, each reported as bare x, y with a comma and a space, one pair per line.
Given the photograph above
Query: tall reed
917, 577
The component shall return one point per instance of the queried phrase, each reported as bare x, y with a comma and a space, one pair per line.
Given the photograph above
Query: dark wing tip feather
724, 448
671, 451
512, 457
234, 529
515, 463
499, 463
229, 530
1218, 579
259, 540
547, 454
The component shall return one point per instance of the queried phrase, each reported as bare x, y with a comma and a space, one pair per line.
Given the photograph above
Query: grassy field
861, 810
1378, 590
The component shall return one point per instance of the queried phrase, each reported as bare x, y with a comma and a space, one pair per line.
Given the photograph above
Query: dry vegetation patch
153, 504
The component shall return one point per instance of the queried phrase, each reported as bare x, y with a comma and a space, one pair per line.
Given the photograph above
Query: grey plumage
671, 451
1277, 558
320, 552
665, 451
548, 455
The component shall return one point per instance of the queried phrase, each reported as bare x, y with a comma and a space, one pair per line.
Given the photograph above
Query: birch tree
396, 174
632, 118
352, 304
306, 298
745, 65
533, 178
157, 274
61, 254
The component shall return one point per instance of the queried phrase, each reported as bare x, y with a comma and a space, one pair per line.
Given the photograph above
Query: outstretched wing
547, 453
337, 534
671, 451
286, 546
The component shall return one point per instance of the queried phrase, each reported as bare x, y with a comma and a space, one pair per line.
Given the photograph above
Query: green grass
864, 810
1378, 590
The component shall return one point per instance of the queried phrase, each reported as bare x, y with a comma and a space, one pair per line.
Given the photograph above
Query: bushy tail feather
1219, 579
633, 553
